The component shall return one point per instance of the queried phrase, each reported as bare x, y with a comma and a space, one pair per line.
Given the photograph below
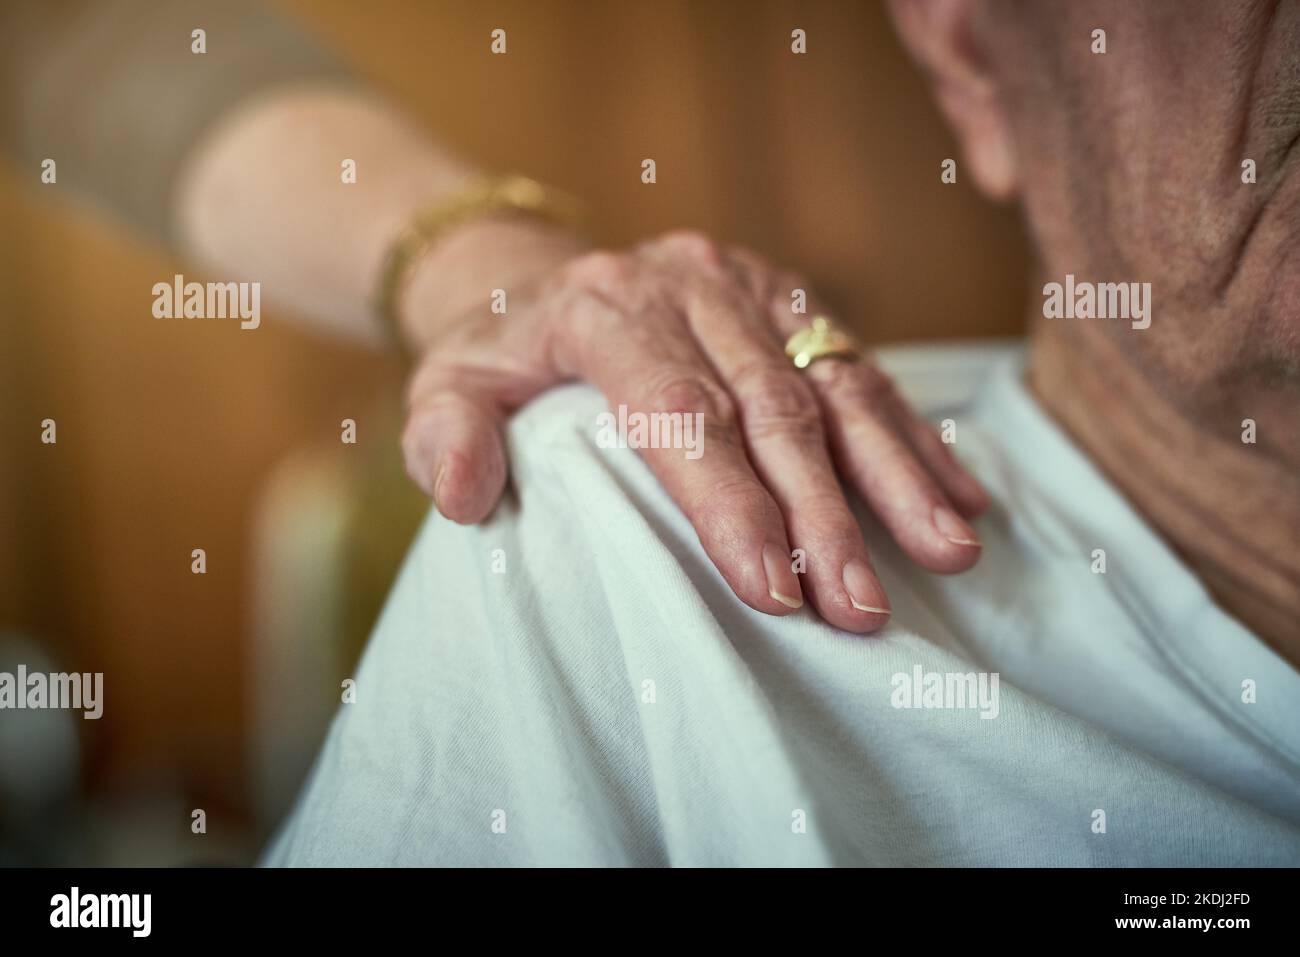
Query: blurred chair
330, 531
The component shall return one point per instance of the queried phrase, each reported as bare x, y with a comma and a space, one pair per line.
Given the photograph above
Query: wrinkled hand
680, 324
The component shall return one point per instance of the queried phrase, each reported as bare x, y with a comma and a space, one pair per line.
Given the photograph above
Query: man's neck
1227, 507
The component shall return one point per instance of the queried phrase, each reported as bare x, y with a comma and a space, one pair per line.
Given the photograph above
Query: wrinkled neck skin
1230, 509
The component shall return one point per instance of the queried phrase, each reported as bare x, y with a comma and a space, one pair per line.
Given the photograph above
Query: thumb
453, 450
459, 399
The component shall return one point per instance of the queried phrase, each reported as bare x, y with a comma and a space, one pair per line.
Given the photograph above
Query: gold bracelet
507, 194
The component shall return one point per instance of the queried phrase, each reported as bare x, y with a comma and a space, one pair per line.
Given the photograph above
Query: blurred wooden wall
828, 162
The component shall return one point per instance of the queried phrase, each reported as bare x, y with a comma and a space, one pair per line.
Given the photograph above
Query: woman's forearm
264, 198
234, 154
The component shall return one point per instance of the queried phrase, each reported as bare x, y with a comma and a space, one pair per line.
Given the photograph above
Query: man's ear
939, 34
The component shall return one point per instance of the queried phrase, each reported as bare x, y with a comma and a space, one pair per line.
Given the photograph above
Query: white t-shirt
574, 683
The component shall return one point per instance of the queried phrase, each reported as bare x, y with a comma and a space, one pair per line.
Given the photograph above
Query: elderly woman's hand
681, 324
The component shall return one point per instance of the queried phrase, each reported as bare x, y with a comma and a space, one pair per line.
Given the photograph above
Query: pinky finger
963, 489
872, 450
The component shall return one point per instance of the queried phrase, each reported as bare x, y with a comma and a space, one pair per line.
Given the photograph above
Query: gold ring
820, 341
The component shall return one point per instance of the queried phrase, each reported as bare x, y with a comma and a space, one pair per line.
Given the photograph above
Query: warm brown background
827, 161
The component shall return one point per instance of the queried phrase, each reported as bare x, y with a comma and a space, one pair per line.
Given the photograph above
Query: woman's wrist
463, 269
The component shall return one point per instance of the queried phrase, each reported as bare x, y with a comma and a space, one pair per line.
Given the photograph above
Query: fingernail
864, 591
953, 528
781, 581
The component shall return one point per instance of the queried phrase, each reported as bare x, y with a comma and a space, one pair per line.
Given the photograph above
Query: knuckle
775, 399
779, 289
751, 259
787, 282
825, 514
672, 389
693, 245
752, 273
725, 507
601, 270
